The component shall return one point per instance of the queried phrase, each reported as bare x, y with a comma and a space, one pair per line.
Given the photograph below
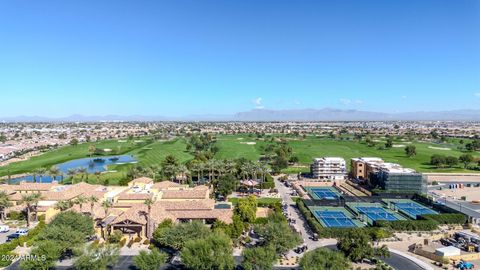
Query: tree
466, 159
74, 142
176, 236
212, 252
66, 239
389, 143
30, 200
80, 200
247, 209
150, 261
93, 200
226, 185
410, 150
324, 259
357, 246
54, 171
72, 173
451, 161
75, 222
64, 205
148, 203
259, 258
91, 149
98, 258
44, 255
169, 166
278, 233
4, 204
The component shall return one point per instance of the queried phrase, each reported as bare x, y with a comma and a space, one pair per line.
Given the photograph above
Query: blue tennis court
377, 213
413, 209
325, 193
334, 219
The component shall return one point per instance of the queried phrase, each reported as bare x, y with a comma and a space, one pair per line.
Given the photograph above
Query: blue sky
179, 57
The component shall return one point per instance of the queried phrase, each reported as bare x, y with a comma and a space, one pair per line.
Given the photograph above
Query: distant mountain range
303, 115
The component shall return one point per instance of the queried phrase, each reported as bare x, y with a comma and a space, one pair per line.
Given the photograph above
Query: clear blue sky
180, 57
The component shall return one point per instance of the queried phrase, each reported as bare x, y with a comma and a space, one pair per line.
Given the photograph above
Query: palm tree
83, 172
97, 175
41, 172
106, 205
92, 199
72, 173
4, 204
30, 200
154, 169
64, 205
91, 149
54, 172
183, 171
80, 200
148, 203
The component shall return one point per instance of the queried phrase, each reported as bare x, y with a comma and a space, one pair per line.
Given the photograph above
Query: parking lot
3, 236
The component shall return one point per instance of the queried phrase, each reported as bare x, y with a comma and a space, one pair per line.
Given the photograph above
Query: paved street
3, 236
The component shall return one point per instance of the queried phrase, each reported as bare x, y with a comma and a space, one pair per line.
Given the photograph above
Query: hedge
447, 218
375, 233
408, 225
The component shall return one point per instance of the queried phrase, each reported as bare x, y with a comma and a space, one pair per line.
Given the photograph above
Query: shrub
137, 239
409, 225
115, 237
146, 242
447, 218
130, 243
122, 242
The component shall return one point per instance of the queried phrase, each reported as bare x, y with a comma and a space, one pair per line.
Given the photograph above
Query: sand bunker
249, 143
440, 148
398, 145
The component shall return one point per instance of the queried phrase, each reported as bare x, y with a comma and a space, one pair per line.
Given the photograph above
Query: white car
22, 231
4, 228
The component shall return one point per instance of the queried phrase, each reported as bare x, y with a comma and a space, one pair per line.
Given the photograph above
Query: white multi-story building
332, 168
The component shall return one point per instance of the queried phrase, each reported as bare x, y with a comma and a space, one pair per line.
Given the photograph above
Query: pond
92, 165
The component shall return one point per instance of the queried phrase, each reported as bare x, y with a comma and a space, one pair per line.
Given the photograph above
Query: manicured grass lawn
156, 152
64, 154
238, 146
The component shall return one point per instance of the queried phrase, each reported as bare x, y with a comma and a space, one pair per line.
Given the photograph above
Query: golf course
150, 152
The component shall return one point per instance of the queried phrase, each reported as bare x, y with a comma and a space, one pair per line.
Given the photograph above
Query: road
3, 236
396, 261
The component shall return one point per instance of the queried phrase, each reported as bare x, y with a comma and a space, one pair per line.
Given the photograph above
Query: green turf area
238, 146
66, 153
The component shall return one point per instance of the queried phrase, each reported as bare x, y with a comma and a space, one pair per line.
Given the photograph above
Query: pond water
92, 165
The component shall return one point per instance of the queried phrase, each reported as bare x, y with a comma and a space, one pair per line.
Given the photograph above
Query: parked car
4, 228
22, 231
12, 237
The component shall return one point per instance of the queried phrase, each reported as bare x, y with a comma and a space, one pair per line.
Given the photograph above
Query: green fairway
156, 152
66, 153
247, 146
238, 146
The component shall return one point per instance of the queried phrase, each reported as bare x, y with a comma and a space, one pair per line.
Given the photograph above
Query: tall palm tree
54, 172
183, 171
92, 199
72, 173
80, 200
41, 172
154, 169
106, 205
30, 200
148, 203
4, 204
